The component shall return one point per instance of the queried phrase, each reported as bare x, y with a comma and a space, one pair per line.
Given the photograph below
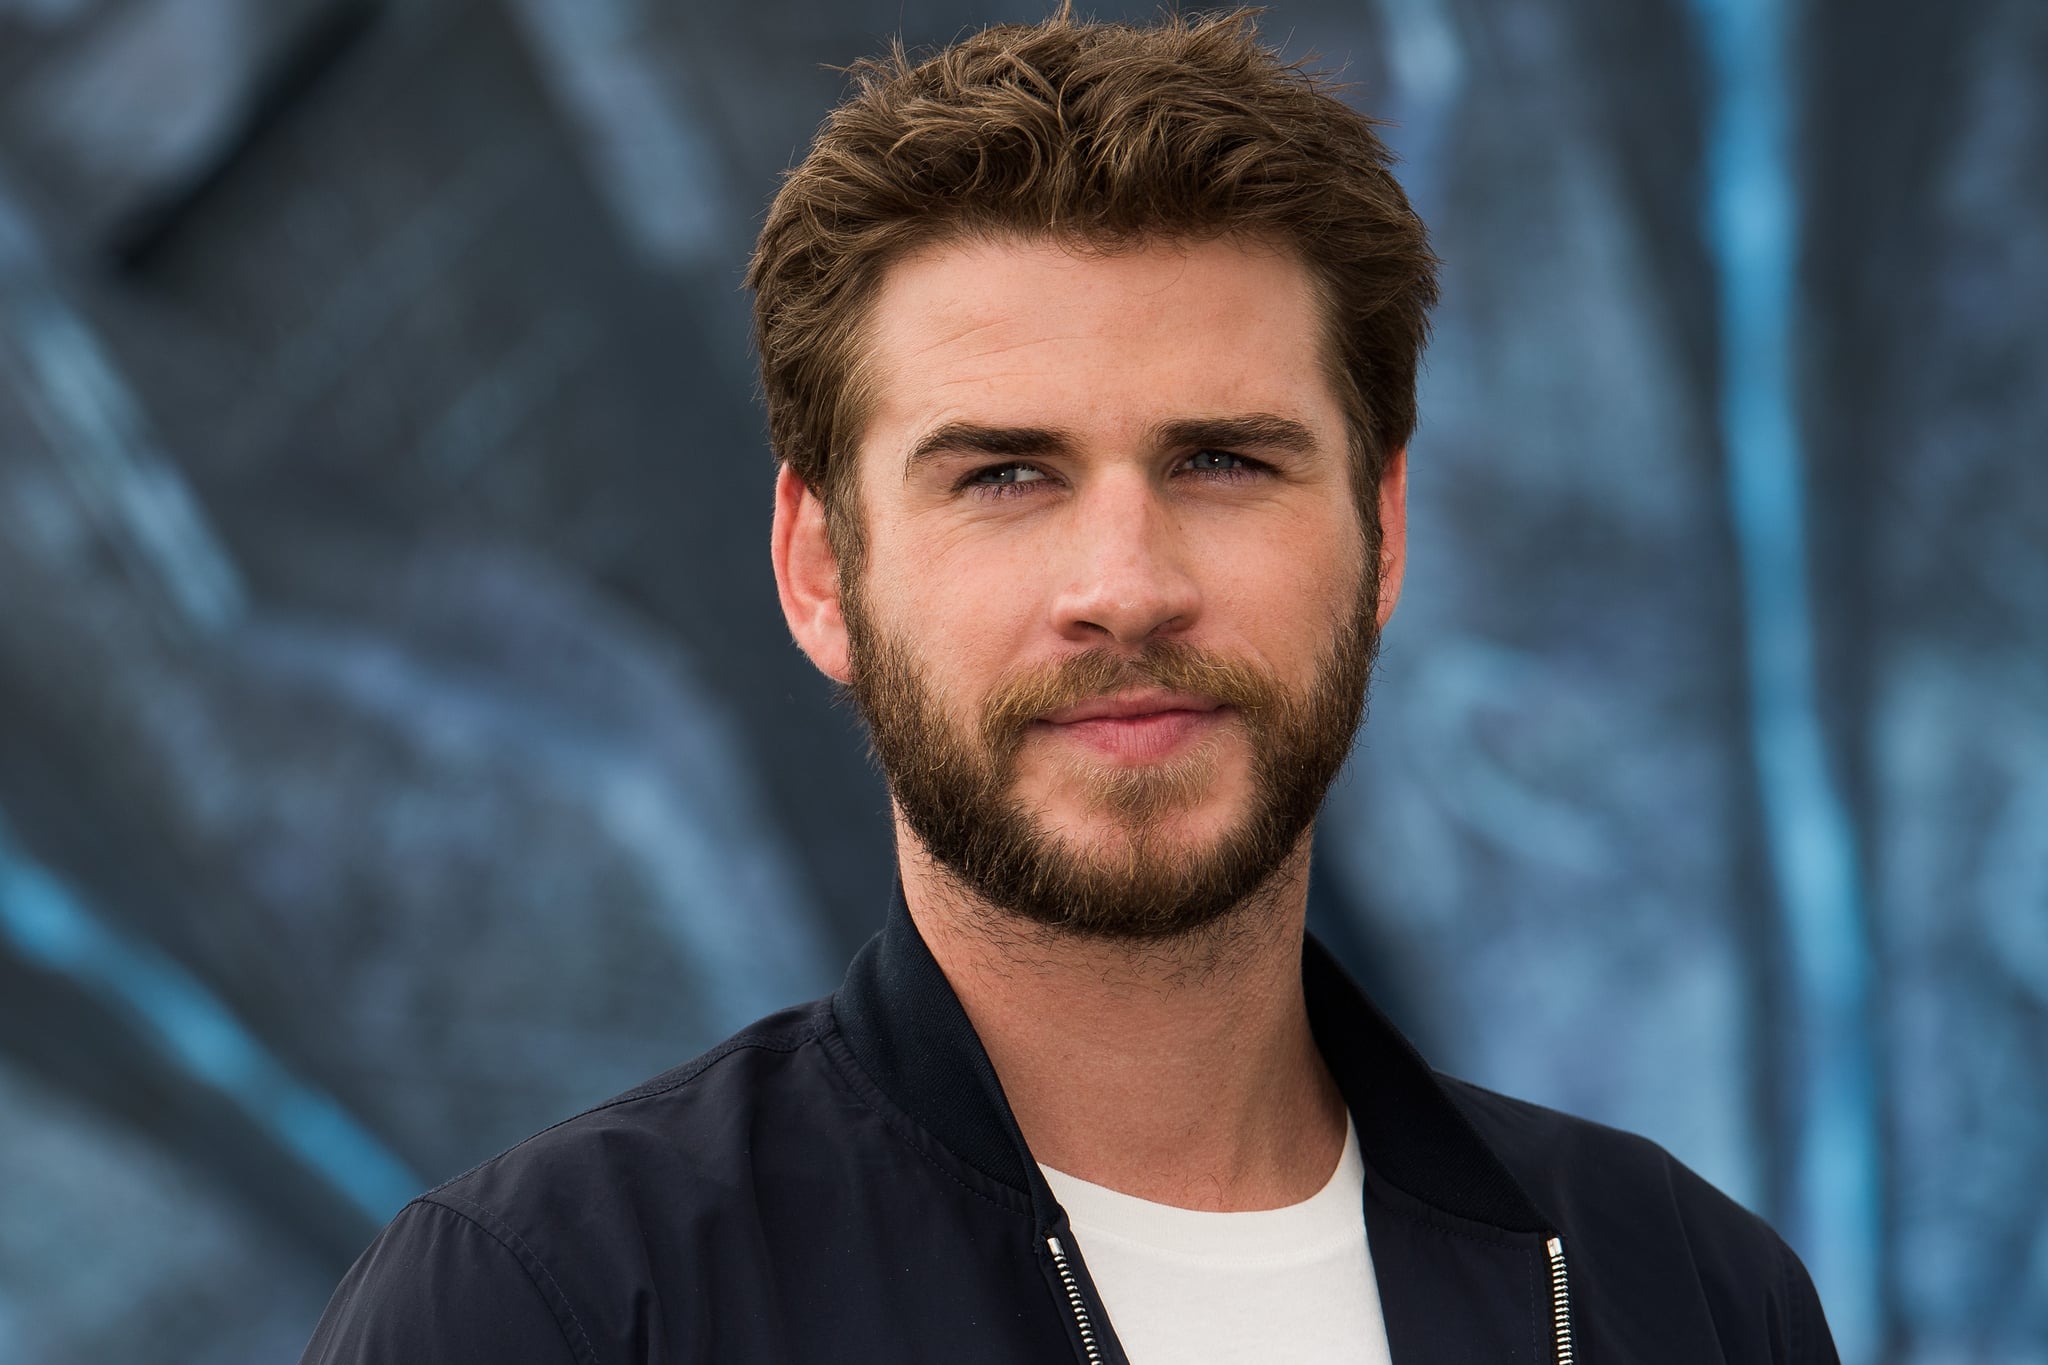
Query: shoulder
683, 1123
1633, 1215
1576, 1169
526, 1252
437, 1285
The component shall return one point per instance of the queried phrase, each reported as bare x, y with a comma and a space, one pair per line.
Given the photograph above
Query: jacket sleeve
439, 1287
1808, 1340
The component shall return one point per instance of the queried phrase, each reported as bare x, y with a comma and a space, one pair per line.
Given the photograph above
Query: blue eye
1224, 464
1002, 480
1006, 473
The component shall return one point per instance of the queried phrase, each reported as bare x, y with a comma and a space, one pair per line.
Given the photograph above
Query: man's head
1089, 354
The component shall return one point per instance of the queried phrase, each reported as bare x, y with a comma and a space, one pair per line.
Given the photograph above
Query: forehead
1026, 330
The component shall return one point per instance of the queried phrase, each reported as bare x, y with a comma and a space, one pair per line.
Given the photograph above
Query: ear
807, 576
1393, 531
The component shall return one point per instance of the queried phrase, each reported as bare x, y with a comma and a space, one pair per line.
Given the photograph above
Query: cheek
966, 618
973, 586
1290, 589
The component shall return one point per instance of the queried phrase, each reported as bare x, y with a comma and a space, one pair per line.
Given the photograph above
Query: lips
1136, 728
1131, 706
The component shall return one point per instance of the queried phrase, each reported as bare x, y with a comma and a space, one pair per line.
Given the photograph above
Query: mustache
1167, 664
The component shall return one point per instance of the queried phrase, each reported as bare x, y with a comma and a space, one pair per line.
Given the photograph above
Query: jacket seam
1795, 1303
895, 1125
692, 1070
491, 1226
1677, 1200
1536, 1317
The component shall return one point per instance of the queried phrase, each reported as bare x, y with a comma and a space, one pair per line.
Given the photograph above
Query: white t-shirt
1184, 1287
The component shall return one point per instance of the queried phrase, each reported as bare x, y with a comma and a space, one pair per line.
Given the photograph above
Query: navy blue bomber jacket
843, 1181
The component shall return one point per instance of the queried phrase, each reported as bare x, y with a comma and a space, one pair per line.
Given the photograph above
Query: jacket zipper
1075, 1301
1560, 1302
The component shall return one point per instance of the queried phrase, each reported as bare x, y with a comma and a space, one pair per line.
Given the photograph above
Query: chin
1198, 795
1106, 836
1192, 827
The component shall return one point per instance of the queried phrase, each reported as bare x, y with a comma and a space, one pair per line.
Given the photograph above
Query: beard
1143, 884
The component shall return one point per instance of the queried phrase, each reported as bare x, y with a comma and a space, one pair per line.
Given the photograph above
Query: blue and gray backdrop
400, 747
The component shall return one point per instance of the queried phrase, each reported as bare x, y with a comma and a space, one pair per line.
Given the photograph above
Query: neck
1182, 1072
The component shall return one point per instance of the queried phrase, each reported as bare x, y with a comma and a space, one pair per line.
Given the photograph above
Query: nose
1126, 568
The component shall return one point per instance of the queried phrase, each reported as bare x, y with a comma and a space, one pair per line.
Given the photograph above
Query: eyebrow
1259, 431
972, 438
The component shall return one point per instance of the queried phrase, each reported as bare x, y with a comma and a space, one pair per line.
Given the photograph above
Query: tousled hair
1102, 136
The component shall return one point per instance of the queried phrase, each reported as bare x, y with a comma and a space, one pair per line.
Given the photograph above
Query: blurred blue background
400, 747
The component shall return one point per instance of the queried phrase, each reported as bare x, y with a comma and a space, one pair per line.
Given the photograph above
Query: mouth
1136, 727
1131, 706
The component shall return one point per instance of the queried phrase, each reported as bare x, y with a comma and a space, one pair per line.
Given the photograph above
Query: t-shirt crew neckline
1331, 1217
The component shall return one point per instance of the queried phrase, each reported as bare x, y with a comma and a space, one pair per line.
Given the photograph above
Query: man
1089, 354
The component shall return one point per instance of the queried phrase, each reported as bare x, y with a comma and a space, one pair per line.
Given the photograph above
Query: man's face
1116, 614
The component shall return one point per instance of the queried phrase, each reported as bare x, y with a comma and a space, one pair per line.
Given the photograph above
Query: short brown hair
1104, 134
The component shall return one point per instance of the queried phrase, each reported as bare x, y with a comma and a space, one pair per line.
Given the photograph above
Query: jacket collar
906, 1027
